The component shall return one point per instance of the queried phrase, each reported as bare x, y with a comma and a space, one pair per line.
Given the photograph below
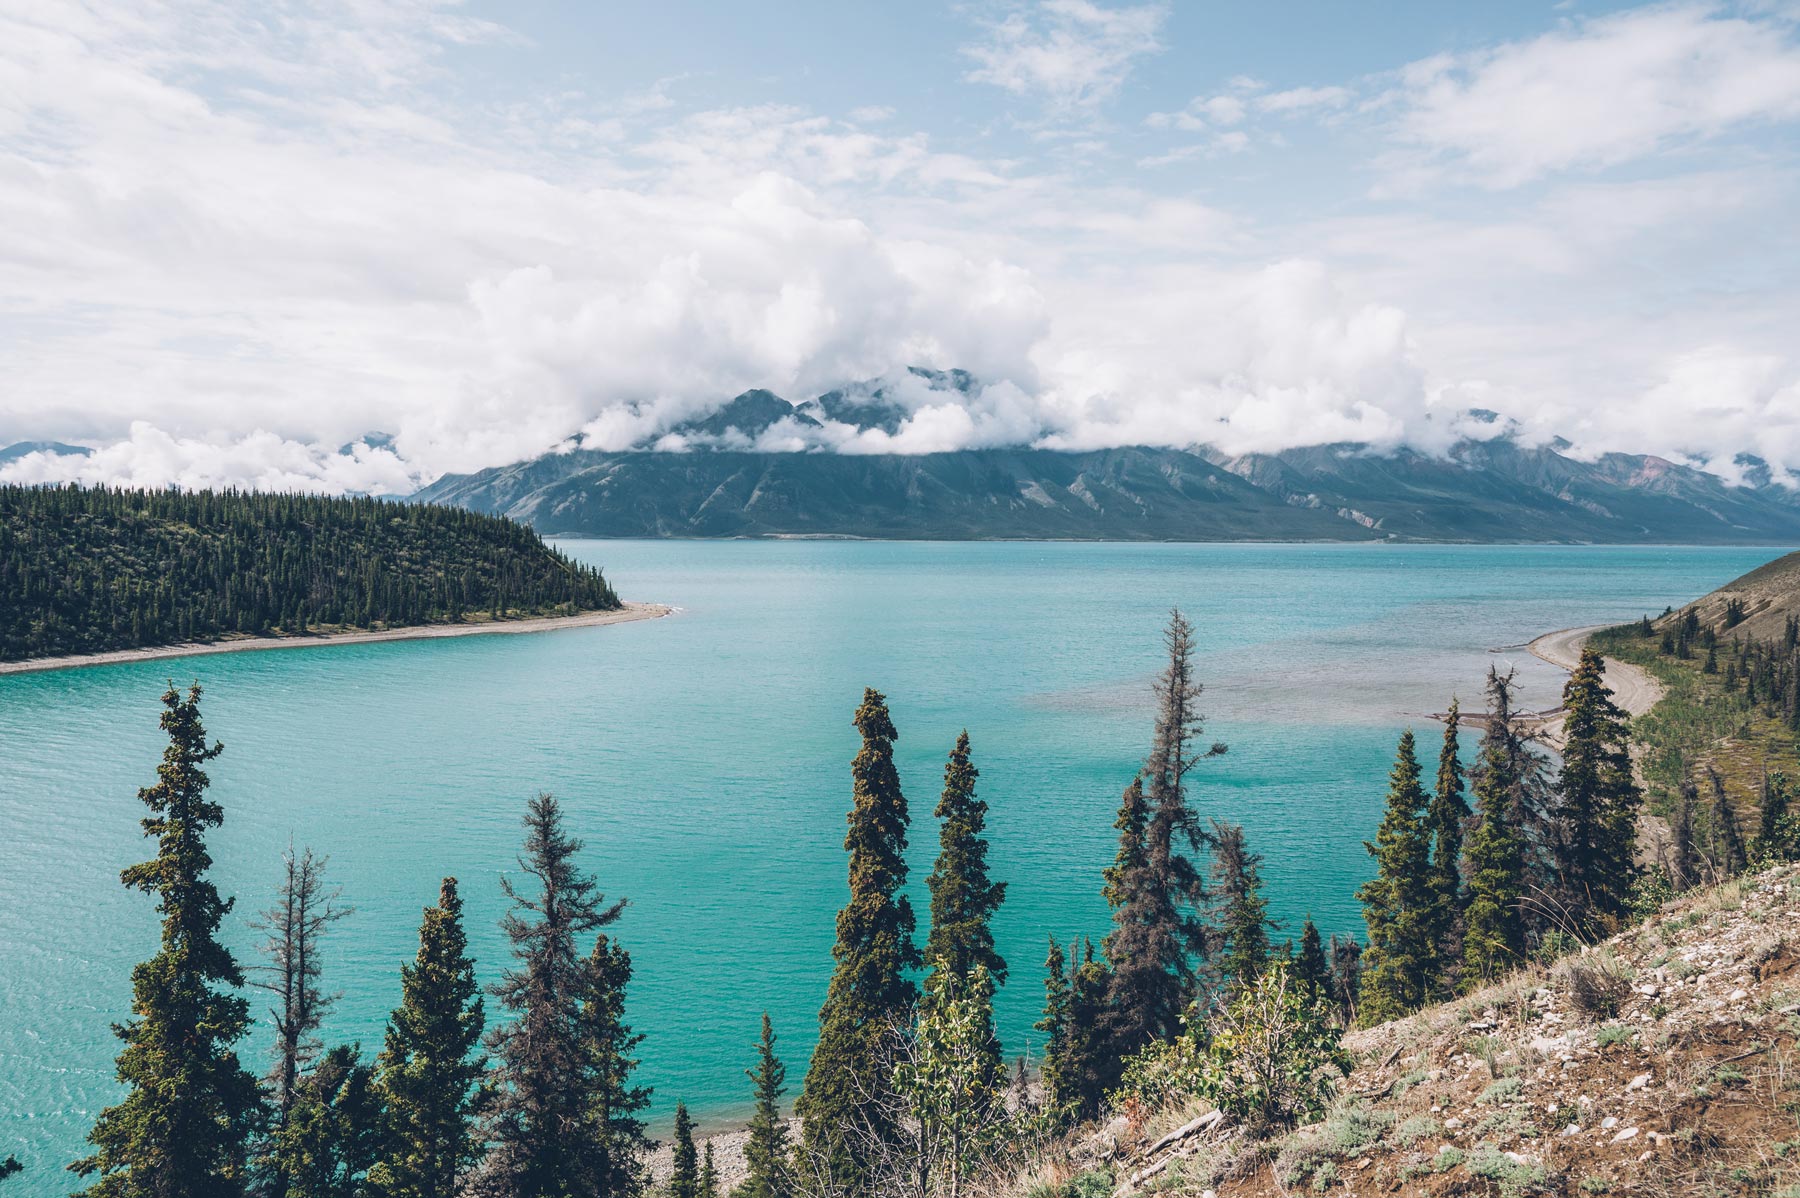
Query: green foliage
427, 1076
950, 1080
1599, 801
1243, 922
1445, 820
769, 1172
1270, 1058
870, 992
86, 570
333, 1130
1400, 902
684, 1177
1514, 1177
1077, 1056
561, 1070
1614, 1033
1493, 932
963, 898
1312, 972
183, 1128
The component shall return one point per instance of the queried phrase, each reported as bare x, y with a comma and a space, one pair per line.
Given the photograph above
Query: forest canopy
87, 570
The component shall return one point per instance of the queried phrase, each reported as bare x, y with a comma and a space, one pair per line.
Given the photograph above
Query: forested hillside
89, 570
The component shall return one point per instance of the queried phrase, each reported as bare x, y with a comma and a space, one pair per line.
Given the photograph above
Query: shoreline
625, 614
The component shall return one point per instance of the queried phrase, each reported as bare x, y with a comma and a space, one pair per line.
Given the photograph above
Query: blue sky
235, 238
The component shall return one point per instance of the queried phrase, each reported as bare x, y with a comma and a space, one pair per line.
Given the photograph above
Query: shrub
1273, 1055
1597, 983
1416, 1129
1095, 1183
1516, 1177
1504, 1090
1614, 1033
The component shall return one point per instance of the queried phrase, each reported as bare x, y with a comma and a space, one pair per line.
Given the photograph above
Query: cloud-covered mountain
762, 466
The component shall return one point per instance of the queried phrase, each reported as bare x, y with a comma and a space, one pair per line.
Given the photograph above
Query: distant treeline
86, 570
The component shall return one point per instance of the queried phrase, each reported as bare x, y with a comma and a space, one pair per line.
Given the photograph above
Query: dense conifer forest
87, 570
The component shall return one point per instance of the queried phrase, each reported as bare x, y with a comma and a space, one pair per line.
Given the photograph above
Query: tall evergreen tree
545, 1140
1729, 855
684, 1177
1399, 902
183, 1128
1054, 1023
870, 993
1684, 860
963, 899
1493, 931
426, 1077
1776, 834
709, 1173
1448, 815
1156, 890
768, 1171
1599, 801
616, 1104
1346, 975
1312, 972
1088, 1066
1244, 925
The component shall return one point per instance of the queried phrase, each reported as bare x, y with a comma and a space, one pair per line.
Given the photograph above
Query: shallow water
704, 758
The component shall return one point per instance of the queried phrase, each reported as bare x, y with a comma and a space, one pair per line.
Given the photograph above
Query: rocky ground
1665, 1061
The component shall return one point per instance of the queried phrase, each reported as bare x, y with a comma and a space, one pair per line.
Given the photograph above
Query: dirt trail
1633, 689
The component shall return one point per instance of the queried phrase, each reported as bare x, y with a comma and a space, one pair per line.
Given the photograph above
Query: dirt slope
1770, 593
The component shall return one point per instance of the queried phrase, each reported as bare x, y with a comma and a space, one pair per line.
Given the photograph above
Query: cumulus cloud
1072, 53
150, 457
1600, 91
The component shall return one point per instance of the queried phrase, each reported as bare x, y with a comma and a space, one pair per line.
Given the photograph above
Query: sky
236, 240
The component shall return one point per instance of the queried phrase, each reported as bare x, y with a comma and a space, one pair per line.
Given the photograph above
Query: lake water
705, 759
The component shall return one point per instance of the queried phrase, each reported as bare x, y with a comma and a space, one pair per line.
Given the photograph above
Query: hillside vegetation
86, 570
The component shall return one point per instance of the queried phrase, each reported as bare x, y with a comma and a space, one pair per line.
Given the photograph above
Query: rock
1629, 1133
1738, 996
1610, 1122
1638, 1082
1574, 1129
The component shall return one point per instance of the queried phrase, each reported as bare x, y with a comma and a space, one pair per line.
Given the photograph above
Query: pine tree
1493, 933
963, 900
332, 1133
1312, 972
1683, 864
293, 928
684, 1177
183, 1128
1090, 1066
1599, 801
870, 993
1054, 1023
1243, 912
544, 1134
1346, 975
1732, 859
1399, 902
768, 1171
426, 1079
709, 1173
1445, 821
607, 1042
1776, 833
1156, 891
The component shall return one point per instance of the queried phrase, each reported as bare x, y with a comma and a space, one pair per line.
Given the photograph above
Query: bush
1095, 1183
1597, 984
1273, 1056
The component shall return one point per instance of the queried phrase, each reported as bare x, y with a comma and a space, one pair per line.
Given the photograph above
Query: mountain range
1498, 489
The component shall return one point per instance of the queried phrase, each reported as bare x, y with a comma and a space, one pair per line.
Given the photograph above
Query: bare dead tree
293, 928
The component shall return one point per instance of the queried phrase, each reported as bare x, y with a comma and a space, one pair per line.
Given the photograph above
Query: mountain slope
1486, 491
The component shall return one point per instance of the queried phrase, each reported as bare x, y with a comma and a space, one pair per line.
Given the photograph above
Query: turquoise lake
704, 758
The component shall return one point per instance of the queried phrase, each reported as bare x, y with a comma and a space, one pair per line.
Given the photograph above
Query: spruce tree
684, 1176
768, 1170
870, 993
332, 1133
546, 1142
1730, 855
1090, 1067
1157, 892
963, 899
1312, 972
1493, 932
183, 1128
1448, 815
426, 1077
1599, 801
1775, 836
1683, 864
1399, 902
608, 1043
293, 929
1243, 928
709, 1173
1054, 1023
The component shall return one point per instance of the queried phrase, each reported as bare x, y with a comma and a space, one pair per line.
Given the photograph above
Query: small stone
1610, 1122
1738, 995
1574, 1129
1629, 1133
1638, 1082
1453, 1123
1551, 1108
1209, 1194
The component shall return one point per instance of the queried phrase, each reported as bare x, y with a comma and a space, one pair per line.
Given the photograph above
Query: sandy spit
624, 615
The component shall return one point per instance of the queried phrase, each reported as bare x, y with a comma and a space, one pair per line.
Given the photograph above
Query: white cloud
1072, 53
1600, 91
